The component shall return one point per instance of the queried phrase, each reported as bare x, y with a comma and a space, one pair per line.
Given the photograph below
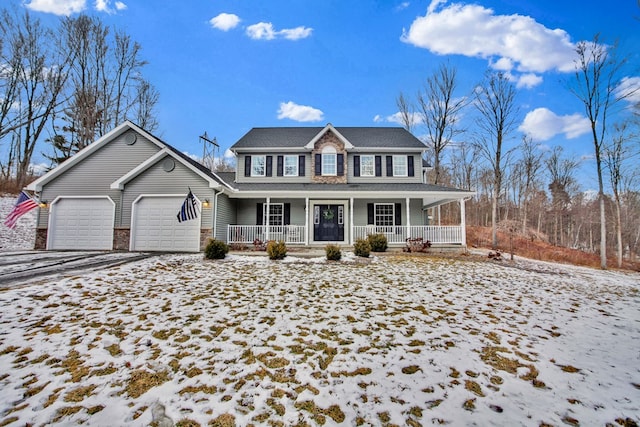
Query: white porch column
306, 221
463, 222
266, 220
407, 202
351, 221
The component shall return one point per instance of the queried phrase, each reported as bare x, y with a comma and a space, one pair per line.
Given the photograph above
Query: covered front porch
315, 221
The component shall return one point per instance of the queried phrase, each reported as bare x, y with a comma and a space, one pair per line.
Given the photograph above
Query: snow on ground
23, 236
401, 340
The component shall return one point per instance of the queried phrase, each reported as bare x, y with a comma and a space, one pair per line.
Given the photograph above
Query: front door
328, 223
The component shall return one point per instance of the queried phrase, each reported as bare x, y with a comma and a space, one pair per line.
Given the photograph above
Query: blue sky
225, 66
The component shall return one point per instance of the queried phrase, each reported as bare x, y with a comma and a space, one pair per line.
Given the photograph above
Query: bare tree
146, 100
41, 75
440, 112
106, 85
596, 85
495, 103
529, 165
561, 170
615, 155
406, 112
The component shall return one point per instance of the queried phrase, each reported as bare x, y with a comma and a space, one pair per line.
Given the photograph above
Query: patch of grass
570, 369
78, 394
224, 420
490, 355
142, 381
473, 387
411, 369
114, 350
95, 409
186, 422
66, 411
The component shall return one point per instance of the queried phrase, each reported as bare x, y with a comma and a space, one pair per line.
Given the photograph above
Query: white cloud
403, 6
228, 154
629, 88
528, 80
266, 31
543, 124
397, 118
105, 6
508, 42
299, 113
261, 31
225, 21
58, 7
296, 33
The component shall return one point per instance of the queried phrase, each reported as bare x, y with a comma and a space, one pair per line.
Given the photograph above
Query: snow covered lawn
397, 341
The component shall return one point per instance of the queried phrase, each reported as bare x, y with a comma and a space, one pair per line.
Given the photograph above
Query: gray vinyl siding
415, 207
246, 210
94, 175
417, 169
156, 181
274, 178
226, 211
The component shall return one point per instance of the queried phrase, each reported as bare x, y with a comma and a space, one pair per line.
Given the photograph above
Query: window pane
384, 215
367, 166
329, 164
276, 213
257, 165
290, 165
399, 165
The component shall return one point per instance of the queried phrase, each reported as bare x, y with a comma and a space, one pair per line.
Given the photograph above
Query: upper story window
290, 165
258, 166
367, 165
400, 166
329, 161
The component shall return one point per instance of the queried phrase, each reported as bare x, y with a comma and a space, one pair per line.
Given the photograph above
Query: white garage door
81, 223
155, 226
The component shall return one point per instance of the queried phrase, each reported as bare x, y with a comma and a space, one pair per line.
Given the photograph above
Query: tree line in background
527, 190
68, 84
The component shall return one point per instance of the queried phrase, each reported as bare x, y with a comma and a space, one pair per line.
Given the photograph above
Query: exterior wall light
43, 204
206, 203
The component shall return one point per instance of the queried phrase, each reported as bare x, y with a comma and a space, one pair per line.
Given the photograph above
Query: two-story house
303, 185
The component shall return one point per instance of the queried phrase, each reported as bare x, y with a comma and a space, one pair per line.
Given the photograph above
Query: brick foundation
205, 234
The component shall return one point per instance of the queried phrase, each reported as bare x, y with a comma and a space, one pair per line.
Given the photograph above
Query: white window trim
294, 159
264, 165
393, 214
397, 163
325, 164
266, 214
373, 165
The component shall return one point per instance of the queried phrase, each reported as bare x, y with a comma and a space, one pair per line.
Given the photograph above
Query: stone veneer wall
41, 239
121, 239
205, 234
329, 138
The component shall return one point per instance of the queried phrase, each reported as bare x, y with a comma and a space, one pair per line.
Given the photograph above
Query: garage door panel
81, 223
155, 226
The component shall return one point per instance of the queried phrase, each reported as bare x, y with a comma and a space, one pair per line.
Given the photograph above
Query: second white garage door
155, 226
81, 223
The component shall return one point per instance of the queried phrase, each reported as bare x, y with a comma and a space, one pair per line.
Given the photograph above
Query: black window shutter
287, 213
280, 165
269, 168
301, 165
247, 165
389, 166
318, 164
259, 214
370, 214
340, 161
398, 213
378, 165
410, 166
356, 165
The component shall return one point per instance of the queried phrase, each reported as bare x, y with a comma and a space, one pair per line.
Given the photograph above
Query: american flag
189, 209
23, 205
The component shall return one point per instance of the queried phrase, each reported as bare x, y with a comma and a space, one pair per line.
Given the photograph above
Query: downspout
215, 214
463, 221
306, 221
351, 227
267, 215
408, 203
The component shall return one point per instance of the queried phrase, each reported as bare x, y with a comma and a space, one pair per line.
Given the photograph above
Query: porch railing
291, 234
295, 234
436, 234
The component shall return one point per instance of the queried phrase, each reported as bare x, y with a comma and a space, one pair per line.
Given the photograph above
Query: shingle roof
298, 137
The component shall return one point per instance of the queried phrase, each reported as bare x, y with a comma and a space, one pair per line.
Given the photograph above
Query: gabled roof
165, 148
359, 138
